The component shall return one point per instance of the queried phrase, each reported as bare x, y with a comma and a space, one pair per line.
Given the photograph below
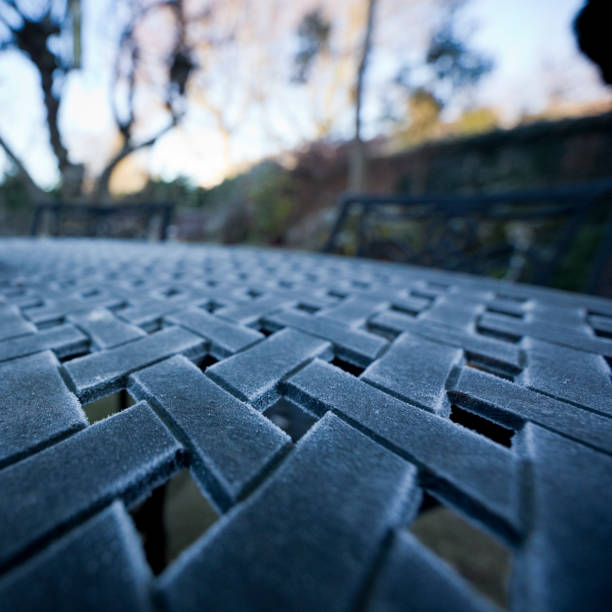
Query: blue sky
530, 40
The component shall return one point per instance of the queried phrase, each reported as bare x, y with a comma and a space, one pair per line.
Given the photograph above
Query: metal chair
520, 235
117, 220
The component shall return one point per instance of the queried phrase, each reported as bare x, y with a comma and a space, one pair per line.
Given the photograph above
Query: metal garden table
321, 404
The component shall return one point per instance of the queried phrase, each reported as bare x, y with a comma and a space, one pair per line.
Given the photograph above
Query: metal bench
519, 235
113, 220
327, 408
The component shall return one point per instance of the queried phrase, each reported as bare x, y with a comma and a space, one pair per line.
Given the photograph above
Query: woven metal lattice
397, 383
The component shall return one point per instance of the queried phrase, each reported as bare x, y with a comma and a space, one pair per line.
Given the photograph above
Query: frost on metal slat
315, 544
254, 373
123, 456
393, 385
231, 442
104, 372
100, 565
37, 406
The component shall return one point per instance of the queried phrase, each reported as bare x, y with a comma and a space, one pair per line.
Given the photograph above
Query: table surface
321, 404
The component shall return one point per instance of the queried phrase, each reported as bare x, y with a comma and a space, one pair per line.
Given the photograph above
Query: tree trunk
357, 157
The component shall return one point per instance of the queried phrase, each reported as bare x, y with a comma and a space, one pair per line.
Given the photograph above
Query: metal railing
103, 220
519, 235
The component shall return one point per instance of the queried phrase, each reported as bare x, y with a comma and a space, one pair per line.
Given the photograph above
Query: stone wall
539, 155
544, 154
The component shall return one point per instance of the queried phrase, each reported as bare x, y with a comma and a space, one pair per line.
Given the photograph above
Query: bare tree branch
31, 38
124, 125
179, 70
101, 190
126, 40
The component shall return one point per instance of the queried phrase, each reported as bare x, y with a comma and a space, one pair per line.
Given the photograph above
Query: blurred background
252, 117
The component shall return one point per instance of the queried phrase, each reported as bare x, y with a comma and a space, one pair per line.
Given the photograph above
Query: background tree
313, 36
447, 73
434, 70
169, 71
313, 40
43, 35
34, 35
357, 159
329, 44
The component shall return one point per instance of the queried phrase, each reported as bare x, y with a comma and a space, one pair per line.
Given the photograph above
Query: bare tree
420, 36
357, 160
329, 61
448, 71
229, 95
33, 34
313, 34
178, 68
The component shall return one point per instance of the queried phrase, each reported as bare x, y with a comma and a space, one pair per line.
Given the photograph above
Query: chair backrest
521, 235
142, 220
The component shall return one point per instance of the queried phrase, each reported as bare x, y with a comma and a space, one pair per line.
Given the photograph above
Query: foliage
256, 206
424, 110
475, 121
313, 33
426, 124
15, 205
231, 190
14, 195
449, 69
573, 272
271, 200
180, 191
452, 62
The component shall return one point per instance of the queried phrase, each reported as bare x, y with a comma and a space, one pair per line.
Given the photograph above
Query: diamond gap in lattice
308, 308
481, 425
152, 326
206, 362
498, 335
212, 306
507, 313
609, 362
41, 325
107, 406
601, 324
291, 418
602, 333
174, 516
72, 356
478, 557
266, 328
171, 292
478, 363
351, 368
387, 334
404, 310
511, 298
